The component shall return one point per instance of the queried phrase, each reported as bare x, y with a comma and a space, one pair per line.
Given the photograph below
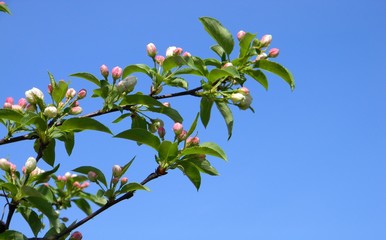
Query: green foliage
219, 33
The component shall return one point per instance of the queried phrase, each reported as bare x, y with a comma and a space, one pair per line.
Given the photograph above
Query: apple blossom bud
84, 185
166, 104
104, 71
17, 108
117, 170
92, 176
67, 175
75, 110
116, 72
115, 180
170, 51
192, 141
243, 90
124, 180
240, 35
82, 93
237, 97
2, 3
266, 40
151, 50
228, 64
9, 100
246, 102
160, 59
187, 54
177, 51
183, 135
177, 128
7, 105
49, 89
76, 184
30, 165
261, 56
50, 111
33, 95
70, 93
22, 102
4, 164
127, 85
76, 236
161, 132
274, 52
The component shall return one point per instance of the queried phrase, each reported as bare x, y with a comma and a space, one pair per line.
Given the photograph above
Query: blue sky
309, 164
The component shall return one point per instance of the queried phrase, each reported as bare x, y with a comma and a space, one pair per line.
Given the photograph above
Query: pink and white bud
124, 180
49, 89
116, 72
151, 50
33, 95
92, 176
240, 35
192, 141
22, 102
75, 110
12, 167
77, 184
161, 132
160, 59
237, 97
76, 236
170, 51
30, 165
261, 56
17, 108
117, 170
246, 102
266, 40
177, 128
115, 180
2, 3
166, 104
228, 64
84, 185
82, 93
4, 164
68, 175
37, 171
243, 90
50, 111
274, 52
104, 71
177, 51
9, 100
7, 105
183, 135
70, 93
187, 54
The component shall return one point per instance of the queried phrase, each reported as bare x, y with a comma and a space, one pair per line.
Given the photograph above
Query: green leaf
177, 82
46, 208
33, 220
259, 76
138, 122
168, 111
36, 120
188, 70
86, 169
69, 142
191, 172
207, 148
245, 44
142, 68
219, 51
217, 74
11, 234
172, 62
87, 76
193, 126
227, 115
205, 109
277, 69
130, 187
83, 205
201, 164
10, 187
4, 8
168, 151
219, 33
80, 124
199, 64
212, 62
59, 91
126, 167
49, 153
43, 176
9, 114
140, 99
141, 136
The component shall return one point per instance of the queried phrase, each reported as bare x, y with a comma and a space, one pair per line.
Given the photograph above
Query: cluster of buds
157, 125
242, 98
170, 51
265, 41
21, 105
192, 141
179, 131
117, 174
70, 180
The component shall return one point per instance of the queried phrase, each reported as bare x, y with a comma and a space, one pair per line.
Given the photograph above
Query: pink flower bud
177, 51
84, 185
117, 170
76, 236
228, 64
9, 100
261, 56
17, 108
70, 93
37, 171
266, 40
2, 3
115, 180
182, 136
192, 141
240, 34
7, 105
124, 180
166, 104
187, 54
50, 111
104, 71
22, 102
274, 52
82, 93
4, 164
92, 176
243, 90
49, 89
177, 128
151, 50
75, 104
76, 184
160, 59
75, 110
12, 167
161, 132
116, 72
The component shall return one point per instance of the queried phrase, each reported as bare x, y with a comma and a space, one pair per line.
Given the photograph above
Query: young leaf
80, 124
194, 125
49, 153
205, 109
83, 205
168, 151
245, 44
87, 76
46, 208
4, 8
219, 33
140, 99
142, 68
219, 51
201, 164
207, 148
86, 169
191, 172
172, 62
133, 187
59, 91
227, 115
276, 69
141, 136
33, 220
12, 115
10, 187
138, 122
11, 234
126, 167
259, 76
168, 111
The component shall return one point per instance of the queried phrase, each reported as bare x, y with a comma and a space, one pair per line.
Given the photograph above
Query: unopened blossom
151, 50
182, 136
124, 180
7, 105
92, 176
240, 35
37, 171
33, 95
187, 54
237, 97
75, 110
160, 59
116, 72
177, 128
50, 111
178, 51
243, 90
274, 52
82, 93
170, 51
261, 56
49, 89
84, 185
30, 165
77, 184
246, 102
9, 100
127, 85
161, 132
76, 236
266, 40
70, 93
166, 104
4, 164
104, 71
228, 64
115, 180
17, 108
192, 141
22, 102
117, 170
